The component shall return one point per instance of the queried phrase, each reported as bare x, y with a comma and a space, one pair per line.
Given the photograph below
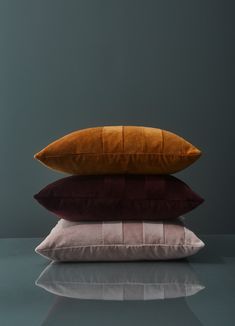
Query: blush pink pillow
119, 241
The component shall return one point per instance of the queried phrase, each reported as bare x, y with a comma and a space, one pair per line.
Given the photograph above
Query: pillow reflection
120, 281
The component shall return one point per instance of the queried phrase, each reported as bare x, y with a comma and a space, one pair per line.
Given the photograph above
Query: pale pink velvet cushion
119, 241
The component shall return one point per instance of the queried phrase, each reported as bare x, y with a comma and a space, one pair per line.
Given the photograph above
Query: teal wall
70, 64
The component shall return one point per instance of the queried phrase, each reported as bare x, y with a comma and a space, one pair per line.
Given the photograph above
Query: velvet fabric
120, 281
119, 150
119, 241
115, 197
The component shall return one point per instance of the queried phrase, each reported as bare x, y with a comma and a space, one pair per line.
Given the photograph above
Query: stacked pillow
121, 203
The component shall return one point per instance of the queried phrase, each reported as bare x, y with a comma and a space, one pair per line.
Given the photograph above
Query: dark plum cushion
118, 197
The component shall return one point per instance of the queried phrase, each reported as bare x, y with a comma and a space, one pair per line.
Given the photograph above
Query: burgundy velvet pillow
115, 197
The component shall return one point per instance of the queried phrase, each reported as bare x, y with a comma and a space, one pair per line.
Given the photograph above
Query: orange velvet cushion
119, 150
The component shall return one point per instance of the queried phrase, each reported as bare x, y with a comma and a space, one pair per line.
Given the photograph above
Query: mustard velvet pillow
119, 150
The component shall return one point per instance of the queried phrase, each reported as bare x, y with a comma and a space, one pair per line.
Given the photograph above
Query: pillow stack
121, 204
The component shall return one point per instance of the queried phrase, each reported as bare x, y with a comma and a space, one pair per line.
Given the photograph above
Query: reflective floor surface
196, 291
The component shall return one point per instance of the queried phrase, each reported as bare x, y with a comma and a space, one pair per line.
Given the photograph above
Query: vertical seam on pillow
123, 139
143, 139
143, 233
102, 232
145, 149
122, 215
145, 186
184, 235
164, 233
102, 141
163, 143
122, 232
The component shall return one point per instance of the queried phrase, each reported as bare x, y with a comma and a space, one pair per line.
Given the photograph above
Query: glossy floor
196, 291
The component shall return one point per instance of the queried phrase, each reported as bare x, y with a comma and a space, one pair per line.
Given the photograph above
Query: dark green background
67, 64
